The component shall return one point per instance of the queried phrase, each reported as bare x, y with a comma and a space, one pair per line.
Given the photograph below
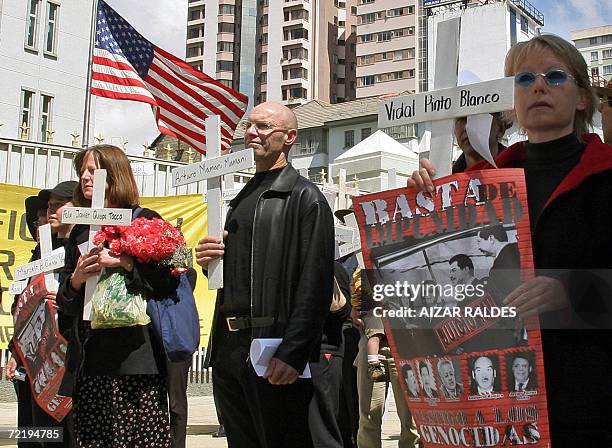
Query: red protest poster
41, 348
439, 266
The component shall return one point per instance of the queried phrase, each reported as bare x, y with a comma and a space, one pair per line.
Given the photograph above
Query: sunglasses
553, 78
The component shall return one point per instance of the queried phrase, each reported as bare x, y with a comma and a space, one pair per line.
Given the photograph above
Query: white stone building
44, 50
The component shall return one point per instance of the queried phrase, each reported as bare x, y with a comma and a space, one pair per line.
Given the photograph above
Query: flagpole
87, 110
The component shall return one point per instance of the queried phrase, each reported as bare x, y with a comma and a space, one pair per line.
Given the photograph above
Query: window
349, 138
396, 12
227, 82
46, 110
607, 38
367, 18
512, 26
594, 55
364, 2
194, 51
263, 77
367, 80
264, 59
226, 9
384, 36
196, 14
264, 38
225, 46
606, 54
51, 28
607, 69
365, 133
226, 27
524, 24
25, 116
593, 41
196, 65
294, 93
264, 20
353, 10
195, 31
225, 66
32, 24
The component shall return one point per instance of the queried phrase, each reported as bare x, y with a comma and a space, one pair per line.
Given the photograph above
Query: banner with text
16, 246
439, 267
41, 348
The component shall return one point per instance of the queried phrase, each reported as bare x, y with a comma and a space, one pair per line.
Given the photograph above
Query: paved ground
203, 422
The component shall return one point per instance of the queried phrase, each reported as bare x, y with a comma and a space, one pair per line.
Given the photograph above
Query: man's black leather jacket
292, 254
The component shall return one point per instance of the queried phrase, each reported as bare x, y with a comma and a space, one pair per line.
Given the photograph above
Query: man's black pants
256, 413
324, 407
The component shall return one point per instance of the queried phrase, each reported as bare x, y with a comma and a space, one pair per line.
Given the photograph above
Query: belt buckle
229, 321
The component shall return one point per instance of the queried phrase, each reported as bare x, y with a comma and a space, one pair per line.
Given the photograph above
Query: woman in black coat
116, 376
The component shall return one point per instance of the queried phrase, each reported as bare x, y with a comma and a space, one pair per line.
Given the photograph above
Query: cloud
564, 16
163, 22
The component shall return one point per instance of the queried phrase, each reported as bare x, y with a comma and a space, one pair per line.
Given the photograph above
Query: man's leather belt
236, 323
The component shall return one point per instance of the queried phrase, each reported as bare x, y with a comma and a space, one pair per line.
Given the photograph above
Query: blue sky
563, 16
164, 23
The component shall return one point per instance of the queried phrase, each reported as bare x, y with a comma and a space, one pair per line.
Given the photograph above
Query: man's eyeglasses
553, 78
263, 127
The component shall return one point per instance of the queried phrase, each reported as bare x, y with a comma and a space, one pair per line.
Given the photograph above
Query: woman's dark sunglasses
553, 78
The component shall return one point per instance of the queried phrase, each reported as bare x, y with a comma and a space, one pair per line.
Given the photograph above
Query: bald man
278, 256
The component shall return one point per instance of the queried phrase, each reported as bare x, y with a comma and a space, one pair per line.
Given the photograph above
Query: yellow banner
16, 246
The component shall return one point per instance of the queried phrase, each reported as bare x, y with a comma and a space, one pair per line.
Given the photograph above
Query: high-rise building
595, 44
44, 51
488, 29
387, 46
289, 51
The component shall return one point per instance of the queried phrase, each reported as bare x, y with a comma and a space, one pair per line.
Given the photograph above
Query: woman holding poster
115, 375
569, 185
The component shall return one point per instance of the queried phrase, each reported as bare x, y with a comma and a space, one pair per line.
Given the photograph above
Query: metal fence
197, 373
42, 165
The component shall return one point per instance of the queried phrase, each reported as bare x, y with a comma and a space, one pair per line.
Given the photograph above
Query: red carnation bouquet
148, 240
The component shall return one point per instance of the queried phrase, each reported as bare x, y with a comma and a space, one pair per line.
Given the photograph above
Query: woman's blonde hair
121, 185
571, 57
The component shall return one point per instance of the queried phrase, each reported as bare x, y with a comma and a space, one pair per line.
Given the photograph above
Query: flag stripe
213, 106
165, 92
188, 71
213, 87
118, 92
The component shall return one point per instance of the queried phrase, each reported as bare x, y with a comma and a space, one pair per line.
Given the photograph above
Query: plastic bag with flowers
148, 241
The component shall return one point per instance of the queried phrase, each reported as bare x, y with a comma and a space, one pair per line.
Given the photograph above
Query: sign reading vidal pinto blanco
481, 98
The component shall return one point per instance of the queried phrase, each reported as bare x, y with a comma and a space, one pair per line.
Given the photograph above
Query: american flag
126, 66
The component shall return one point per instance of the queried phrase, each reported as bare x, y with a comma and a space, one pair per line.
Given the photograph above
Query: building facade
44, 51
387, 46
289, 51
595, 44
488, 30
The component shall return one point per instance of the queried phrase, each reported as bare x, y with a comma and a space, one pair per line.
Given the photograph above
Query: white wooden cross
95, 216
447, 102
49, 261
341, 190
212, 169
